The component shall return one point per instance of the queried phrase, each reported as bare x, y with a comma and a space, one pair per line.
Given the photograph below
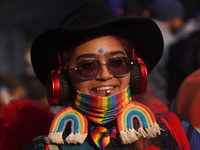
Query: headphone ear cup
66, 91
138, 81
59, 91
135, 78
53, 88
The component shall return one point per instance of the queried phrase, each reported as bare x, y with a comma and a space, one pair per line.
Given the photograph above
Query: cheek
125, 81
78, 83
74, 78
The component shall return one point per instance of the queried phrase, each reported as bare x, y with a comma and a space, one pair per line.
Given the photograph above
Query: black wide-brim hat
94, 18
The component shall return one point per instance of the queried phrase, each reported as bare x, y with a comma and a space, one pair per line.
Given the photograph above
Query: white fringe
70, 139
131, 135
142, 132
153, 130
76, 138
56, 137
124, 137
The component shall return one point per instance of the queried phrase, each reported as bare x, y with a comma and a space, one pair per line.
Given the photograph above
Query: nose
104, 73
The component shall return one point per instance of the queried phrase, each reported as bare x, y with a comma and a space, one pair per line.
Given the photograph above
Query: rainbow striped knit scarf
102, 110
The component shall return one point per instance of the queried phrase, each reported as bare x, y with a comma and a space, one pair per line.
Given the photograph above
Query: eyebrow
92, 55
112, 53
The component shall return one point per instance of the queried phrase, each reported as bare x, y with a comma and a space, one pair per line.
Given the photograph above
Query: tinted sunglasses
89, 68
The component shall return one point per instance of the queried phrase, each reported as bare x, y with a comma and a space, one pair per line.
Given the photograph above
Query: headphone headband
143, 76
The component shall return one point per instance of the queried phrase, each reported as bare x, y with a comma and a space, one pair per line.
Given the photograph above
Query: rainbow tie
101, 136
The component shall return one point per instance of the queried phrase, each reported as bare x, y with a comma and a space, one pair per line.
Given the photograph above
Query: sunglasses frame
103, 63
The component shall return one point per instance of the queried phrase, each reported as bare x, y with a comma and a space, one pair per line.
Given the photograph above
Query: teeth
104, 88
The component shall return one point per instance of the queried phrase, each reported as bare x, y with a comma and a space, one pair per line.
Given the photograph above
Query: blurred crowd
22, 21
179, 21
176, 78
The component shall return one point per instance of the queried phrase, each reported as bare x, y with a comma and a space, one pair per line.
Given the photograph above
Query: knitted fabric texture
102, 110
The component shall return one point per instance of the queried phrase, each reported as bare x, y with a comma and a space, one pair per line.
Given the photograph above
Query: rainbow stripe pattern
102, 110
148, 127
79, 127
101, 136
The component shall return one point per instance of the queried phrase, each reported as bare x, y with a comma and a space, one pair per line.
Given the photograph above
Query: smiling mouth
104, 90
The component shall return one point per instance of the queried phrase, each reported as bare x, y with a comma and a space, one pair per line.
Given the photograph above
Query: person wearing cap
96, 66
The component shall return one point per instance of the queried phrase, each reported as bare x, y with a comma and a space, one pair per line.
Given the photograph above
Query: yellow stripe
78, 99
105, 102
99, 120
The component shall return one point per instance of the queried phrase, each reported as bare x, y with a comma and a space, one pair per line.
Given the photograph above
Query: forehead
106, 45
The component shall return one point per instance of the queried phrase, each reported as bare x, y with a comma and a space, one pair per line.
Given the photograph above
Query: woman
96, 65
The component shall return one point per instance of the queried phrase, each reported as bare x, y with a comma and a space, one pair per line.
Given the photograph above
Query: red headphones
53, 85
139, 75
53, 88
143, 76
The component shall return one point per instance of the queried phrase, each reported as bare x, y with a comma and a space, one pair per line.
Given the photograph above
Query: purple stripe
139, 120
65, 124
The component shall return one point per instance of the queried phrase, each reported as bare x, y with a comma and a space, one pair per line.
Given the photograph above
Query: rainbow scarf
102, 110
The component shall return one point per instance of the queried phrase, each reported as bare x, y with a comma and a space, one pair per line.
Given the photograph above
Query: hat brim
143, 32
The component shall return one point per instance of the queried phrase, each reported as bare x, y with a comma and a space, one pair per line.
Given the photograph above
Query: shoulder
180, 129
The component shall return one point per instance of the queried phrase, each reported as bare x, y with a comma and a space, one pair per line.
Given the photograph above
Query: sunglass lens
88, 69
119, 66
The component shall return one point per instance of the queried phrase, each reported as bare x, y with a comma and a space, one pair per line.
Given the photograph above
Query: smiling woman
100, 68
97, 68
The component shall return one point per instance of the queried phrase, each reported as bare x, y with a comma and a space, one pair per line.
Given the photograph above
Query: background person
169, 16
